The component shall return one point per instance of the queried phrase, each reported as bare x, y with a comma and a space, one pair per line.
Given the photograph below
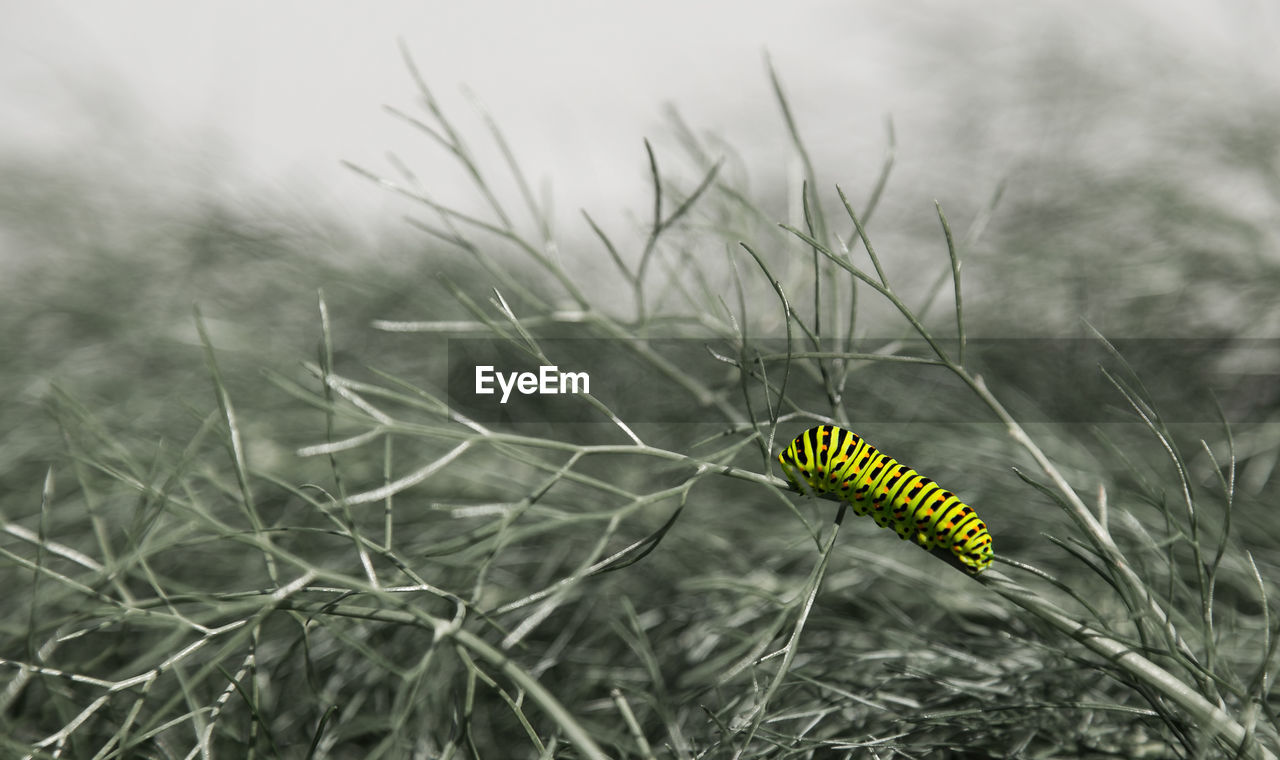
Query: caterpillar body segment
829, 461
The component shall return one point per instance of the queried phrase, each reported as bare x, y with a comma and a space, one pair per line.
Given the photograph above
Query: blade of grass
238, 460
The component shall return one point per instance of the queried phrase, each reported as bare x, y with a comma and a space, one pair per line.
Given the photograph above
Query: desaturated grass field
263, 529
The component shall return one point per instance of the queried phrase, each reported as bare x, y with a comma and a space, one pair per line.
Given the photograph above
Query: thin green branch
793, 131
240, 465
760, 710
1204, 715
955, 278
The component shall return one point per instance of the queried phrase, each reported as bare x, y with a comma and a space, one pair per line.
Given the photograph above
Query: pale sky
270, 96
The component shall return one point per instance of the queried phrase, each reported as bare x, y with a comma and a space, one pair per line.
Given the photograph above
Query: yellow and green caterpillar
827, 460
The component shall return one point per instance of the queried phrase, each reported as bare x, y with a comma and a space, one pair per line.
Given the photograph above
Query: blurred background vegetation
1125, 189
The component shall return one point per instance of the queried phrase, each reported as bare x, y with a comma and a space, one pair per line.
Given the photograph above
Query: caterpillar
827, 460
